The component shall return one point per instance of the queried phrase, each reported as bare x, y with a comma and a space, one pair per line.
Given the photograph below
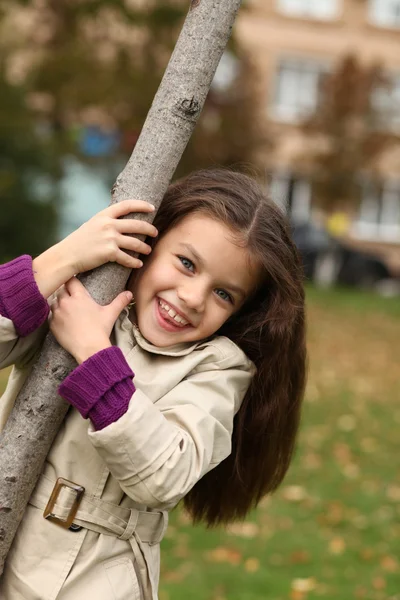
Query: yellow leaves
337, 546
246, 529
393, 492
344, 458
222, 554
301, 587
334, 514
389, 564
369, 445
379, 583
312, 461
294, 493
367, 554
180, 574
347, 423
351, 471
252, 565
300, 557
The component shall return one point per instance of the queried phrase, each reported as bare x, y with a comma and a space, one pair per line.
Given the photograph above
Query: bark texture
39, 411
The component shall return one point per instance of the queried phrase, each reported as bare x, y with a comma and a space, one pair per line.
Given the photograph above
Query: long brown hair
269, 328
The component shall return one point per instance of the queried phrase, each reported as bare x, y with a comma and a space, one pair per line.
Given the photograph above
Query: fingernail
128, 295
152, 207
140, 263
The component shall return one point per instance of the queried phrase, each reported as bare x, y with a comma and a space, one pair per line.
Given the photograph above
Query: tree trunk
39, 411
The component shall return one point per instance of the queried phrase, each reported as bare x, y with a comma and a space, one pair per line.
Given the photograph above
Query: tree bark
39, 411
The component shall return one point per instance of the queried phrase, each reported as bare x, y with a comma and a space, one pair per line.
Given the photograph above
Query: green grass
332, 531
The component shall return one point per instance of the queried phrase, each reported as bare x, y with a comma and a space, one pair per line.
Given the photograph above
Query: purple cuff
20, 298
101, 387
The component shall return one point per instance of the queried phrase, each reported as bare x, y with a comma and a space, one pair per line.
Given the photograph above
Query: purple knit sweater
101, 387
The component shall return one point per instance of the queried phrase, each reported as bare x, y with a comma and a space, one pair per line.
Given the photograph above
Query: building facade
294, 44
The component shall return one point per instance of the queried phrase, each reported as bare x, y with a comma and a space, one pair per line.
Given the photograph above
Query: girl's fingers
122, 258
134, 226
74, 286
125, 207
133, 244
62, 292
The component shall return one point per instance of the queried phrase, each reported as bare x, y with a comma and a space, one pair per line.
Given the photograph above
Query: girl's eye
186, 263
224, 295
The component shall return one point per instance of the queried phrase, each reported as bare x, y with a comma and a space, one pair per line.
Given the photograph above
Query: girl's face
195, 278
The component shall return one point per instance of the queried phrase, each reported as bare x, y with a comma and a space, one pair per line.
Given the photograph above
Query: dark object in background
329, 261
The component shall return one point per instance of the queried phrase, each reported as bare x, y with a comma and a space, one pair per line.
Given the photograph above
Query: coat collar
127, 332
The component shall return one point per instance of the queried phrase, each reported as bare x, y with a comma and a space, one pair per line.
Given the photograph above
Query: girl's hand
104, 237
79, 324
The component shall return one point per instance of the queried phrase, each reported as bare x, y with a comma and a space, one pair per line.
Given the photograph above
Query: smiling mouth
171, 316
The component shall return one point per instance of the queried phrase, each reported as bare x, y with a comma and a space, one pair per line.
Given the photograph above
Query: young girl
194, 393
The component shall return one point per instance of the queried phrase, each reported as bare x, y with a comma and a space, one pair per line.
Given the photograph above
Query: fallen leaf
337, 546
347, 423
360, 592
367, 554
379, 583
246, 530
221, 554
351, 471
294, 493
393, 492
304, 585
300, 557
252, 565
342, 453
296, 595
389, 564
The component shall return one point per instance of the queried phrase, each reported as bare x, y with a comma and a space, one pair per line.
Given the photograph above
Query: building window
310, 9
386, 100
226, 73
385, 13
293, 195
379, 216
298, 89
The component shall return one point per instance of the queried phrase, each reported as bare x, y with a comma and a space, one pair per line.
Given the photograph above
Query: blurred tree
28, 176
349, 132
232, 129
93, 69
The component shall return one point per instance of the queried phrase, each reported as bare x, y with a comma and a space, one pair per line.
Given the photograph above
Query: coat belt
103, 517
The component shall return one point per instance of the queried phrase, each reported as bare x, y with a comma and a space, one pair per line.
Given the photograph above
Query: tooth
181, 320
171, 313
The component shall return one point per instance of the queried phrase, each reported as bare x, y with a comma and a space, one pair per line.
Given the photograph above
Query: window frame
383, 20
289, 112
379, 213
386, 103
308, 11
293, 194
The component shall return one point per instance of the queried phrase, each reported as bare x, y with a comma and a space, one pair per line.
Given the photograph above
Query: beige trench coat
178, 427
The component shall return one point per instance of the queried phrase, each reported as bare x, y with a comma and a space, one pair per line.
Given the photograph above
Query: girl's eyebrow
190, 248
230, 286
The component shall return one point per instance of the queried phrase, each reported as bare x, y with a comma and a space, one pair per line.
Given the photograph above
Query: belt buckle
48, 513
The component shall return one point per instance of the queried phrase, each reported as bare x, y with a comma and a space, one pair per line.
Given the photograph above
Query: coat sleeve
23, 312
15, 349
157, 452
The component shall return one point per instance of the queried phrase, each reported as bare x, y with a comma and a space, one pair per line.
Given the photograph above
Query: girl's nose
193, 295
